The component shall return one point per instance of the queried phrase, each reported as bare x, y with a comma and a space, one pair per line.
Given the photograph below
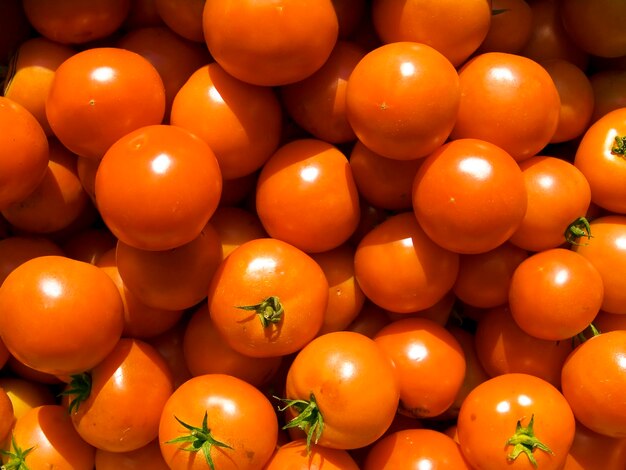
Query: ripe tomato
169, 344
592, 381
75, 21
270, 43
231, 422
503, 347
146, 457
26, 394
15, 250
157, 187
341, 390
318, 103
600, 158
235, 226
495, 86
510, 27
400, 268
60, 315
241, 122
370, 320
420, 349
268, 298
7, 416
453, 196
30, 77
306, 196
557, 195
591, 449
45, 438
295, 456
88, 245
415, 448
454, 28
607, 252
515, 421
555, 294
185, 19
23, 153
386, 87
110, 406
609, 91
173, 279
101, 94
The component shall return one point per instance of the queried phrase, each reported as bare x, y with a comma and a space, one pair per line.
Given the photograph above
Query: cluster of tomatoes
313, 234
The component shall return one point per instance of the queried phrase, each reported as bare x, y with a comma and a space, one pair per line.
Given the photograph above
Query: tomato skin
590, 448
604, 167
510, 29
291, 39
258, 270
294, 456
354, 384
238, 415
157, 187
185, 19
592, 378
400, 268
15, 250
7, 416
306, 196
23, 155
420, 349
453, 196
74, 307
488, 417
148, 456
26, 394
385, 88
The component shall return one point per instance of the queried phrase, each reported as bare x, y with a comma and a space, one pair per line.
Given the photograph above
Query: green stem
269, 310
80, 388
199, 438
577, 229
525, 441
499, 11
619, 146
309, 418
17, 458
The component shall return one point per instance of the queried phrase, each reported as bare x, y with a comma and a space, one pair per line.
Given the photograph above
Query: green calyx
269, 311
199, 439
577, 229
619, 146
79, 388
524, 441
309, 419
17, 457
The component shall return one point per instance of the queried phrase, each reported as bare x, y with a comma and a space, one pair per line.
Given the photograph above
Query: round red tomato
453, 196
515, 421
295, 456
157, 187
148, 456
388, 86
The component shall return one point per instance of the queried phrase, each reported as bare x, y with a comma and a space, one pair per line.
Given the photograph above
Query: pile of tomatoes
313, 234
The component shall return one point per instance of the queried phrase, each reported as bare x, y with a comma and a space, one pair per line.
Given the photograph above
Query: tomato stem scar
309, 419
269, 310
619, 146
577, 229
80, 389
17, 458
524, 440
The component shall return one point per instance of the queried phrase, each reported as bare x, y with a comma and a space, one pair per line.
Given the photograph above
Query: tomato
592, 379
60, 316
45, 438
590, 448
206, 352
370, 320
185, 19
386, 87
318, 102
173, 279
415, 448
453, 196
142, 14
607, 252
229, 420
484, 278
384, 182
510, 27
235, 226
345, 297
503, 347
295, 456
169, 344
350, 15
56, 202
600, 156
400, 268
26, 394
241, 122
15, 250
268, 298
14, 28
30, 77
23, 154
605, 321
609, 91
420, 349
74, 21
454, 28
171, 55
101, 94
270, 43
157, 187
439, 312
7, 416
88, 245
148, 456
5, 355
495, 86
341, 390
594, 26
306, 196
515, 421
